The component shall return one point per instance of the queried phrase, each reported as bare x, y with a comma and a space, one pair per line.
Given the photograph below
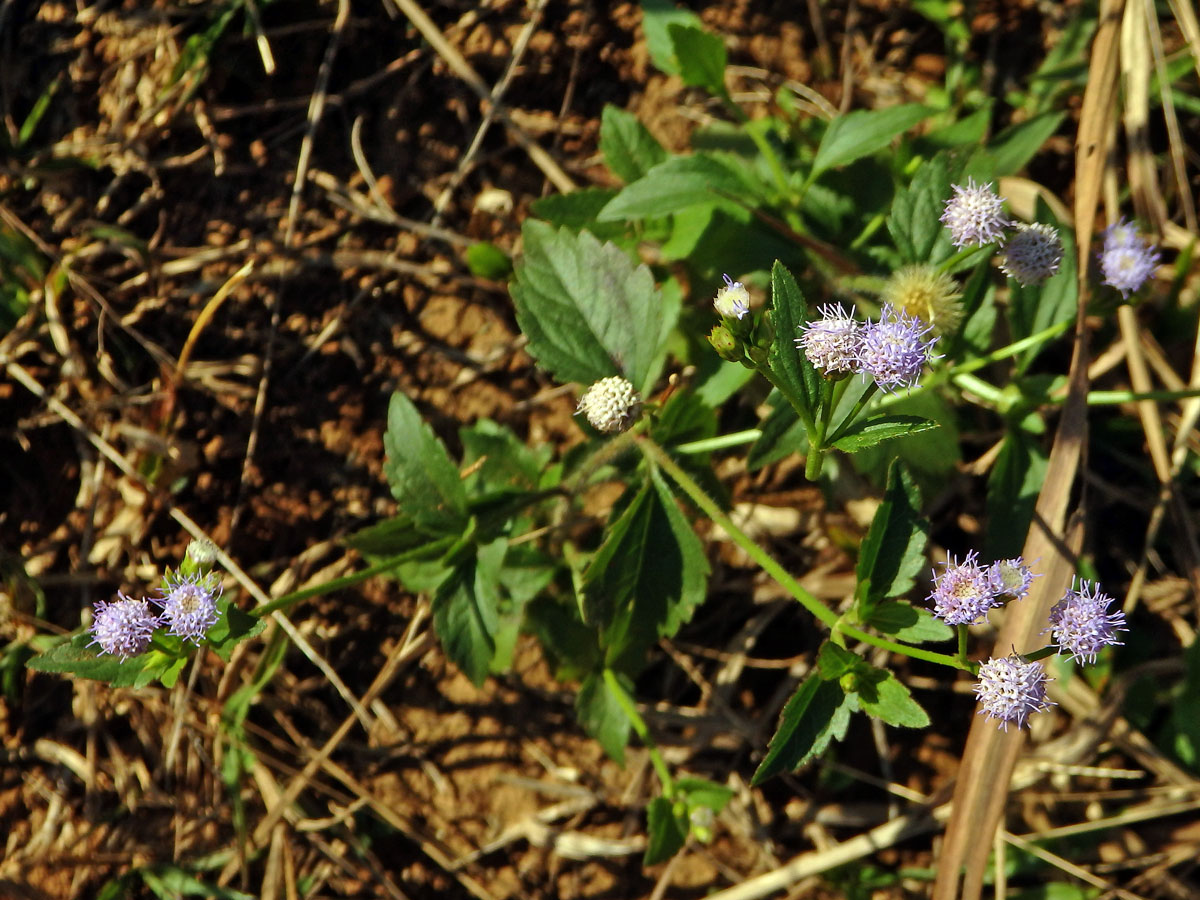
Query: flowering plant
864, 211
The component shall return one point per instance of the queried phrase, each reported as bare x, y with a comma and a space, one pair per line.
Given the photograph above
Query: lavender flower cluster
1032, 253
1010, 688
188, 604
975, 217
891, 351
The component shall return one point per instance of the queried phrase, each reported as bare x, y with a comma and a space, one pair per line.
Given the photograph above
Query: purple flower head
123, 627
963, 593
895, 349
1010, 578
1032, 254
1080, 623
189, 605
831, 342
733, 300
1127, 262
974, 215
1010, 688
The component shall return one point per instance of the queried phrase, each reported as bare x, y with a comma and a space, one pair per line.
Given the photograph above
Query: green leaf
629, 149
486, 260
676, 184
587, 310
666, 831
657, 17
701, 57
464, 616
698, 792
791, 367
1016, 145
75, 657
498, 460
571, 644
881, 695
834, 661
915, 220
575, 210
233, 627
684, 418
601, 714
861, 133
869, 432
969, 130
669, 571
611, 578
1012, 491
387, 538
908, 623
893, 551
816, 714
420, 473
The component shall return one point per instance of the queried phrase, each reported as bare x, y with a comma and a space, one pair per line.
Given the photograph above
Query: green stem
720, 442
1109, 398
962, 642
639, 725
337, 584
814, 606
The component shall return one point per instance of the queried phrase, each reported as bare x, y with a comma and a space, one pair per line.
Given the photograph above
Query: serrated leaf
602, 716
816, 714
678, 183
387, 538
629, 149
881, 695
893, 551
571, 644
75, 657
908, 623
701, 57
915, 220
788, 312
666, 831
498, 460
671, 571
869, 432
587, 310
657, 17
420, 473
611, 577
861, 133
465, 618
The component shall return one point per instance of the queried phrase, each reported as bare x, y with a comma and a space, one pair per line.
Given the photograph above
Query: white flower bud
611, 404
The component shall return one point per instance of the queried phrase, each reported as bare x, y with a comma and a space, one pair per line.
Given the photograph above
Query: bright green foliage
894, 549
587, 310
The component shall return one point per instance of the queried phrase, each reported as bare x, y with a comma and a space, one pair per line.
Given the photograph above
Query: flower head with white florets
831, 342
1010, 688
189, 605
